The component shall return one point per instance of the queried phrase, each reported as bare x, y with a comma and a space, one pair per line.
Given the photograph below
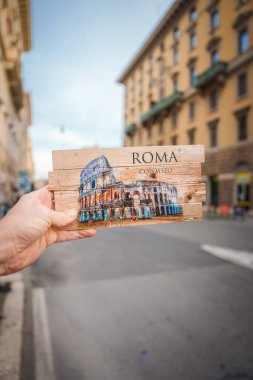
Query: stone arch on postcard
103, 198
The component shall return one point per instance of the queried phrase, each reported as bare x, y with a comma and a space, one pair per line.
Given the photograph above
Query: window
213, 134
174, 140
213, 100
176, 33
141, 107
140, 136
243, 40
193, 40
161, 65
242, 85
191, 137
133, 90
162, 89
140, 81
161, 127
191, 110
242, 128
126, 95
193, 14
241, 2
162, 47
150, 131
150, 79
243, 195
140, 87
151, 101
9, 25
175, 84
150, 61
15, 14
214, 19
174, 119
243, 184
175, 56
214, 57
192, 72
214, 190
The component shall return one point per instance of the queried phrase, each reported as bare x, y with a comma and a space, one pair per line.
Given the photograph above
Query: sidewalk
247, 221
11, 328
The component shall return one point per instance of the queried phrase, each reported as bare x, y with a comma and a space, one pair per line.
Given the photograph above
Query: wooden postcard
129, 186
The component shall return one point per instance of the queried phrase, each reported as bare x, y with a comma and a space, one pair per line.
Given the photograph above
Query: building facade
16, 165
192, 83
103, 198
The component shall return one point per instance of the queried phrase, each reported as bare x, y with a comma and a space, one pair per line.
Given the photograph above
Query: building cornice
25, 17
167, 19
240, 60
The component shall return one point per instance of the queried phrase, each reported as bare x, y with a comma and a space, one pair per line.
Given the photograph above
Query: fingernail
71, 213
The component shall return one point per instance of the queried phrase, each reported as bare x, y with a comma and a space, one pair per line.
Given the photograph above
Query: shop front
243, 189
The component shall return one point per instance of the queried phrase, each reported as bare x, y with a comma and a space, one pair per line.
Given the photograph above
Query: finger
46, 196
42, 195
52, 201
62, 219
63, 236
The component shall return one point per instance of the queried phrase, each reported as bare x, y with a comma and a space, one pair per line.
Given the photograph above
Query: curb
11, 329
44, 367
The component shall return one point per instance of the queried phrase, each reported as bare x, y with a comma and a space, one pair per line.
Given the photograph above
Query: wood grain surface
129, 168
192, 212
189, 193
172, 173
70, 159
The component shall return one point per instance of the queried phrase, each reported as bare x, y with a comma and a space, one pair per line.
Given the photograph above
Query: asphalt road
147, 303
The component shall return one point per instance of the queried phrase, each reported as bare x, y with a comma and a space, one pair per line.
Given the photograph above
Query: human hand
27, 230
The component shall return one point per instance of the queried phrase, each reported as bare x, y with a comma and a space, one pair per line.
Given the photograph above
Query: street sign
129, 186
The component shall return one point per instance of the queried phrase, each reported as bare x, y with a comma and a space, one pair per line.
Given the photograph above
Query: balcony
162, 105
130, 128
215, 72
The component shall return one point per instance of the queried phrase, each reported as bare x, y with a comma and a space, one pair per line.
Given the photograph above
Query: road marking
44, 368
243, 258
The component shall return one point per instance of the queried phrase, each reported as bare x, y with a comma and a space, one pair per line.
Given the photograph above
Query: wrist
6, 243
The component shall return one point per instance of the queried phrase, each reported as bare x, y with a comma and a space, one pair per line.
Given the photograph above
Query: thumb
62, 218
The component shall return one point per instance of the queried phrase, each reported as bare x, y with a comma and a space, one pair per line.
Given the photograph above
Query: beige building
15, 112
192, 83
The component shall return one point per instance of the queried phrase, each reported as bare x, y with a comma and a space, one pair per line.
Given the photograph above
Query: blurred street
149, 303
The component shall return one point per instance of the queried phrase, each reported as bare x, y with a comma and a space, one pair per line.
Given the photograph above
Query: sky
79, 48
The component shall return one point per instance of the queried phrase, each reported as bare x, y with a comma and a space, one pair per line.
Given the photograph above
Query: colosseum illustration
103, 198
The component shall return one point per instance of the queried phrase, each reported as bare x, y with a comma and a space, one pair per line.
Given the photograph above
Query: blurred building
16, 165
192, 83
39, 183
